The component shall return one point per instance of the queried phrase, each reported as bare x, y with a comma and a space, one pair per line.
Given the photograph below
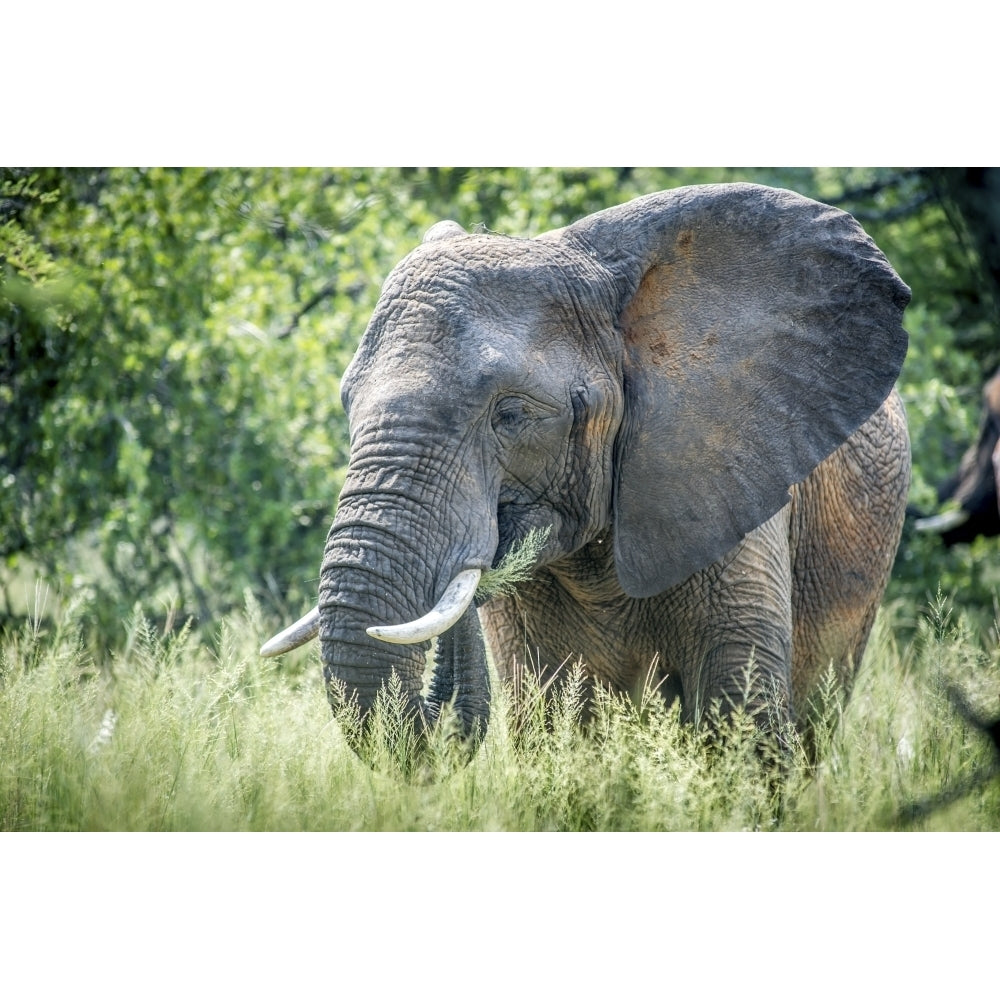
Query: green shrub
172, 340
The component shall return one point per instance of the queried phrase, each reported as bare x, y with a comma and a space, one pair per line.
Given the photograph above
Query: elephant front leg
747, 675
503, 629
732, 639
525, 661
506, 636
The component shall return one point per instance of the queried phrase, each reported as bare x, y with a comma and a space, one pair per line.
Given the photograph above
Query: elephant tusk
942, 522
456, 598
293, 636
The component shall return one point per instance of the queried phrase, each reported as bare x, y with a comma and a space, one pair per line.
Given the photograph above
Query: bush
172, 342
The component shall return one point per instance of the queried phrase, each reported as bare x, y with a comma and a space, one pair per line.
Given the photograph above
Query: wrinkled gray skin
649, 383
975, 487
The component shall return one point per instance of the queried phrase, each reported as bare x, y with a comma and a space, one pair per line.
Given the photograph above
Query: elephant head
974, 487
657, 374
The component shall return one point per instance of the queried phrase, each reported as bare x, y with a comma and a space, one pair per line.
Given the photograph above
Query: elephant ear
760, 330
444, 230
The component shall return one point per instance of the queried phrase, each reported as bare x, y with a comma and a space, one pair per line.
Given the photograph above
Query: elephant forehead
484, 255
437, 335
486, 276
488, 358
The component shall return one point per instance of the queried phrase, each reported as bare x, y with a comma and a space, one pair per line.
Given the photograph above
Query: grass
515, 567
171, 734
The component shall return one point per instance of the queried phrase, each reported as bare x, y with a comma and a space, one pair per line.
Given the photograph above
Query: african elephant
692, 391
974, 486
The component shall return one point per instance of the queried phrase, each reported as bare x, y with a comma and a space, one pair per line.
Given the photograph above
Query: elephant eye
514, 415
509, 412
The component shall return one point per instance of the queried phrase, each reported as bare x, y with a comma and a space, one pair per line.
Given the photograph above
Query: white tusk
456, 598
942, 522
293, 636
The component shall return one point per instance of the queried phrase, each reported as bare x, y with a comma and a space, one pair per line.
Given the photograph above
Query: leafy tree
939, 227
171, 344
42, 352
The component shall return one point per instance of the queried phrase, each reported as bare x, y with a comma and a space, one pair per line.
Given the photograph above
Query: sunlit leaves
172, 342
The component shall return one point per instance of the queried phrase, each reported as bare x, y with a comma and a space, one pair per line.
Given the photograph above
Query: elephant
692, 393
975, 486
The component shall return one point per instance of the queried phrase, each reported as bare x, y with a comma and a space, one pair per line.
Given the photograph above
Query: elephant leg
523, 669
845, 525
503, 628
732, 632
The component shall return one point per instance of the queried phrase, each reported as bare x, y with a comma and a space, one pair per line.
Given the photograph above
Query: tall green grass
171, 734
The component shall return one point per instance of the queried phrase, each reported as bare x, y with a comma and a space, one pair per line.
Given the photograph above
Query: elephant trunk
372, 577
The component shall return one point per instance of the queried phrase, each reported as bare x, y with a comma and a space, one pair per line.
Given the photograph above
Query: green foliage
941, 389
516, 566
172, 340
172, 733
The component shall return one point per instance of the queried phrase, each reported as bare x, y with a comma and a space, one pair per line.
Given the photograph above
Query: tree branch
324, 293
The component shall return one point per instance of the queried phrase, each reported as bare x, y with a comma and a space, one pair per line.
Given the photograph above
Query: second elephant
974, 487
